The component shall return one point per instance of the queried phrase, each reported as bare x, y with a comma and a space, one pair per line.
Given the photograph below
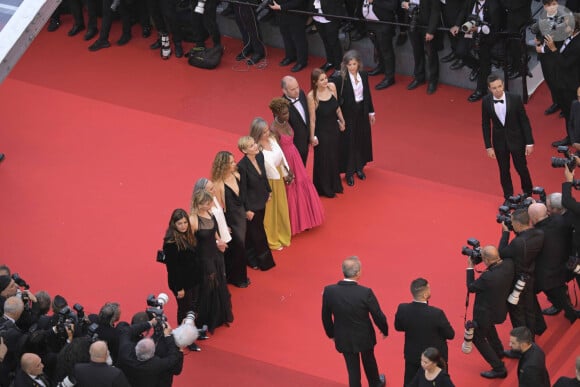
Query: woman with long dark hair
433, 372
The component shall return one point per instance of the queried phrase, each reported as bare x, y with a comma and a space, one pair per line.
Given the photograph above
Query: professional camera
20, 281
540, 191
567, 161
514, 297
475, 21
505, 217
65, 320
515, 202
413, 12
155, 311
467, 345
573, 264
475, 252
92, 332
186, 334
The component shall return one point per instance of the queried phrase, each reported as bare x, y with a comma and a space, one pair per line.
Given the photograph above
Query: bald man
30, 372
299, 117
98, 373
13, 337
550, 273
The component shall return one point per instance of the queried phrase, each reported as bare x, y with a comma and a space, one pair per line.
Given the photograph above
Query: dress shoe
551, 311
99, 44
76, 29
474, 74
458, 64
512, 354
203, 335
243, 284
146, 32
449, 57
124, 39
194, 347
387, 82
493, 374
376, 71
327, 66
156, 45
2, 157
414, 84
431, 88
401, 39
382, 380
297, 67
178, 50
53, 24
91, 33
564, 141
255, 59
349, 180
287, 61
475, 96
552, 109
572, 316
361, 175
243, 55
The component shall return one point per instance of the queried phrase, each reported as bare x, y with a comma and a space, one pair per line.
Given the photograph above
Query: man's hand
569, 175
180, 294
470, 263
275, 6
3, 349
429, 37
167, 331
529, 149
454, 30
550, 43
372, 119
405, 5
250, 215
490, 153
31, 295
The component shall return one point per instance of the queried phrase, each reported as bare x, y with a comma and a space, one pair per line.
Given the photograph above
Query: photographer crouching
490, 308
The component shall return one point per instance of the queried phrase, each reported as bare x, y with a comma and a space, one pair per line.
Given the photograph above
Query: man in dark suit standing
424, 326
490, 307
573, 123
507, 132
293, 31
98, 372
532, 370
345, 315
299, 116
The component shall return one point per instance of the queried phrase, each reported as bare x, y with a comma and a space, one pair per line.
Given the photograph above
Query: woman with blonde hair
276, 218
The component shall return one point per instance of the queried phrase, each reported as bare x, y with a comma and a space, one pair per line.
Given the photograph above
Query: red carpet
101, 147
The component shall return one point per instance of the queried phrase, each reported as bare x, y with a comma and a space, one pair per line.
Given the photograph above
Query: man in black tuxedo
490, 307
30, 372
328, 30
532, 370
426, 42
507, 132
524, 250
299, 117
424, 326
98, 372
293, 31
551, 262
345, 315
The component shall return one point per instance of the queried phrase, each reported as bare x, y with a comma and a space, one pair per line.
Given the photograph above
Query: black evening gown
235, 255
326, 173
215, 305
442, 380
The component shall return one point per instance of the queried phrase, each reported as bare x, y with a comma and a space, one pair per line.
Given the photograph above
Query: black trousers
383, 43
559, 297
206, 23
108, 19
514, 21
250, 30
187, 303
293, 33
463, 50
164, 14
521, 165
329, 34
353, 360
256, 240
527, 312
425, 55
487, 342
76, 9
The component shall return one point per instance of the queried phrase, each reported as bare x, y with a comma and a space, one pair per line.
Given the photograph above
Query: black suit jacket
492, 14
424, 326
523, 249
385, 9
550, 263
567, 64
301, 128
99, 375
429, 15
567, 382
491, 292
532, 370
330, 7
574, 122
573, 212
515, 134
345, 91
22, 379
254, 187
292, 18
346, 307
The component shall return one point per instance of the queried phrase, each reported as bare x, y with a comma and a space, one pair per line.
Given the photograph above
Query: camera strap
466, 306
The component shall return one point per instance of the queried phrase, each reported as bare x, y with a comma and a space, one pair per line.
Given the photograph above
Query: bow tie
498, 100
293, 101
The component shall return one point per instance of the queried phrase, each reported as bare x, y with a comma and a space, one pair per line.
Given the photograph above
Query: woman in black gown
214, 306
433, 371
326, 123
226, 181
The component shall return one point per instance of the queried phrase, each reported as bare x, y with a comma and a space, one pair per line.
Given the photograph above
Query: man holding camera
573, 207
424, 326
507, 133
532, 370
490, 307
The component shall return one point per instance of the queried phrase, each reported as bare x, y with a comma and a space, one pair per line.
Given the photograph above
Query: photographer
523, 250
573, 207
97, 372
14, 338
532, 370
480, 20
107, 331
490, 307
550, 263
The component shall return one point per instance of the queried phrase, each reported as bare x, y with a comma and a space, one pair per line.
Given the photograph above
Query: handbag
205, 58
289, 178
160, 256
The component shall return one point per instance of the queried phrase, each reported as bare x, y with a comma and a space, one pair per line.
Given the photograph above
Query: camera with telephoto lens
474, 253
200, 7
467, 345
475, 21
514, 297
573, 264
69, 381
413, 12
65, 321
567, 161
516, 202
20, 281
155, 311
541, 192
505, 217
190, 319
